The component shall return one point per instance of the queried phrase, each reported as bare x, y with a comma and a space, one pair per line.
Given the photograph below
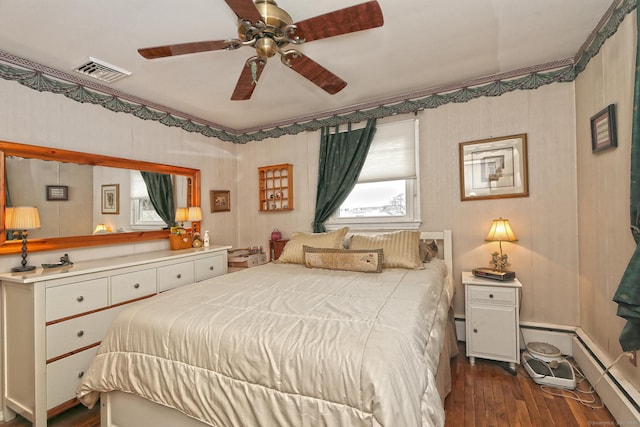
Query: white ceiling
422, 44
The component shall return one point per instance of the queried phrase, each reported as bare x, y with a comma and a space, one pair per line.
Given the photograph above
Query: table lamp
20, 219
500, 231
194, 214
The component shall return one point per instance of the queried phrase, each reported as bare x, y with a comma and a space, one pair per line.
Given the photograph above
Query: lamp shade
500, 231
182, 214
194, 214
23, 218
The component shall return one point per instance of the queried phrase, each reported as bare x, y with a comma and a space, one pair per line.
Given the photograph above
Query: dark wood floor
483, 395
488, 395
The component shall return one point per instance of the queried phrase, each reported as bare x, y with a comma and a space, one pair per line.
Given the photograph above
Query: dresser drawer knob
211, 268
80, 298
475, 331
178, 275
137, 285
81, 374
491, 296
80, 333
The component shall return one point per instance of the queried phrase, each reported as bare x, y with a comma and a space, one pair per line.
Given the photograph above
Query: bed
283, 344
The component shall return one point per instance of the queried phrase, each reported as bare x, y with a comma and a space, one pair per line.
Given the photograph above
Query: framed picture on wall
57, 192
603, 129
111, 199
220, 200
494, 168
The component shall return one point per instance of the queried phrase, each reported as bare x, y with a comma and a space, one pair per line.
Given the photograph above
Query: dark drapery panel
160, 192
628, 294
342, 155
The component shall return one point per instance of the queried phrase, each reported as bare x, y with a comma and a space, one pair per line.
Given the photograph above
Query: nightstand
492, 319
276, 247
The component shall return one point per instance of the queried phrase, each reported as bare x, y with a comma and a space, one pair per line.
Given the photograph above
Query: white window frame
135, 209
411, 221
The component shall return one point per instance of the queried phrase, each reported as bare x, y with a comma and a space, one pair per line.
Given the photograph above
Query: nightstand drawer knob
475, 331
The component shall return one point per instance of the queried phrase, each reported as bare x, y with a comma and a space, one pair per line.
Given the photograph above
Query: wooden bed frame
119, 409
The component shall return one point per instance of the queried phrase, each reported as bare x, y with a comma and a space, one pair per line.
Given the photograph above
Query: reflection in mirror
70, 190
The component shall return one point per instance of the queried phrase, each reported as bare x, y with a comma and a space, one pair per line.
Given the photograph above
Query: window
387, 194
143, 214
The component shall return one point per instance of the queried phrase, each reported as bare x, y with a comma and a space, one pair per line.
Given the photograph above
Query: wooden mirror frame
59, 155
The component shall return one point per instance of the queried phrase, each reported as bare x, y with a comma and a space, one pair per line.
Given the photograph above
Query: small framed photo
494, 168
57, 192
111, 199
603, 129
220, 200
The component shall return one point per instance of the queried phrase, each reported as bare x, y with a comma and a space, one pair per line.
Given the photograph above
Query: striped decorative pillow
401, 248
293, 252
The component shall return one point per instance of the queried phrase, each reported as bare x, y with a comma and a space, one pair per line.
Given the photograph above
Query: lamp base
488, 273
24, 268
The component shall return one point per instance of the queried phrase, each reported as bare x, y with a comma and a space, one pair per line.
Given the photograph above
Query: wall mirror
78, 193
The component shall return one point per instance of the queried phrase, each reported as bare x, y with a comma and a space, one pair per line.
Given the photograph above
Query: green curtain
342, 155
7, 203
160, 191
628, 293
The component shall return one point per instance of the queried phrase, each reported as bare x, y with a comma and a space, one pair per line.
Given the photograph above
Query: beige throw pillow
401, 248
293, 252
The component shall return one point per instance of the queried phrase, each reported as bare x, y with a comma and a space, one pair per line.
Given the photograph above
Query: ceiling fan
269, 29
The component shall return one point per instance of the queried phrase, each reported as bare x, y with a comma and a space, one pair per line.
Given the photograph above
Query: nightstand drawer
75, 298
491, 295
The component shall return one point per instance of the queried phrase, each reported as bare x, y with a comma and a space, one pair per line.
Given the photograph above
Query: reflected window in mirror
143, 214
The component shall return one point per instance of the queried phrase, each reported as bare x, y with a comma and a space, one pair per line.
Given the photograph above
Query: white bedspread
285, 345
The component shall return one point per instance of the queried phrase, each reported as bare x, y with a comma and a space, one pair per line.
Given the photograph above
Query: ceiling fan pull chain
254, 72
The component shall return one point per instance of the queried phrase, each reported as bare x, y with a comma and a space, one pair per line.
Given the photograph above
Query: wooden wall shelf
275, 185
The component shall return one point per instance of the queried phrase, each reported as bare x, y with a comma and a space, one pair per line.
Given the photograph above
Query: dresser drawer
64, 375
172, 276
65, 337
210, 267
129, 286
75, 298
491, 294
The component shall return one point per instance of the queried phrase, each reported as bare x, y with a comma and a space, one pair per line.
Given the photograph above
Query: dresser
54, 319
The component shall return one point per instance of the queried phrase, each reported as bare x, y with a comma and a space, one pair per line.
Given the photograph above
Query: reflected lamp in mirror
20, 219
182, 215
101, 229
500, 231
194, 214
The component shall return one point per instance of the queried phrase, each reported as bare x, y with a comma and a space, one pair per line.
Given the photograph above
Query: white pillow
293, 251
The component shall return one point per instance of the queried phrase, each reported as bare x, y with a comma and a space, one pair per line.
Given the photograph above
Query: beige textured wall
545, 258
606, 244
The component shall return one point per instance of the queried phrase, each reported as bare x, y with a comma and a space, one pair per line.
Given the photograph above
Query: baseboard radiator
619, 395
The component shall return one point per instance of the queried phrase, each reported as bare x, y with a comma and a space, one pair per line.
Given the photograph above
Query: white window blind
392, 153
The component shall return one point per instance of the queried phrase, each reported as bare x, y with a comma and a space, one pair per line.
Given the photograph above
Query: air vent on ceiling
102, 70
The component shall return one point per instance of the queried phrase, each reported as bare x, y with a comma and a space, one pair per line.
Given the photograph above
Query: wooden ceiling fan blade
360, 17
248, 79
185, 48
314, 72
245, 9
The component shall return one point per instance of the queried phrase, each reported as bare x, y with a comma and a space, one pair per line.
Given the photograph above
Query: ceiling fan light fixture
266, 47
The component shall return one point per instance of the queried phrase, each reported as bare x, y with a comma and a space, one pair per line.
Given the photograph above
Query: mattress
285, 345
